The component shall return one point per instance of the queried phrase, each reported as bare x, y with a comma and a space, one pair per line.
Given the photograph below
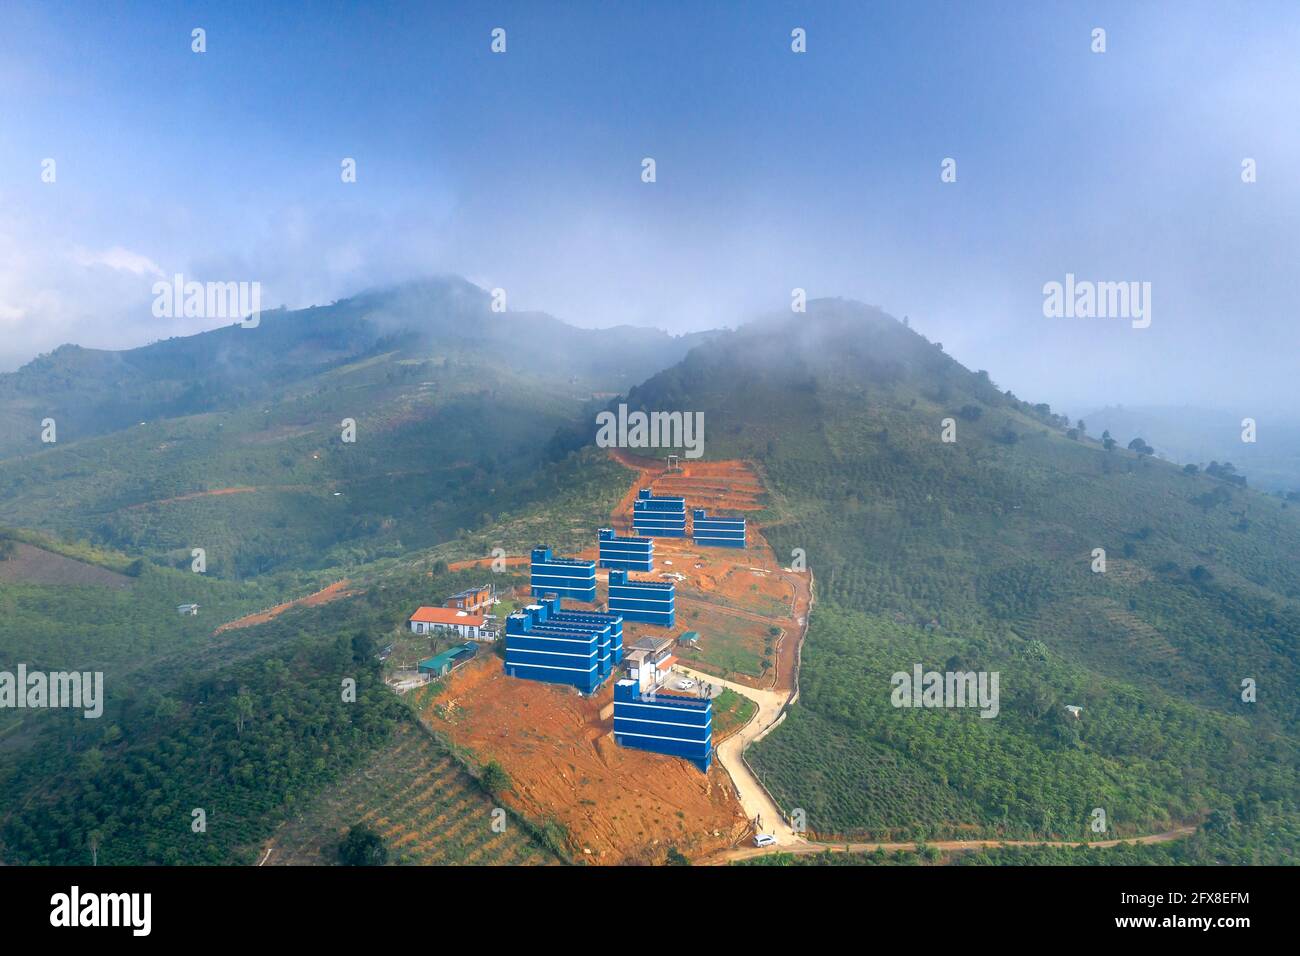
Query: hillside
826, 428
234, 441
976, 555
91, 392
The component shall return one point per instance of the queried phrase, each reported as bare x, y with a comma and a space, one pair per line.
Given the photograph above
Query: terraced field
427, 809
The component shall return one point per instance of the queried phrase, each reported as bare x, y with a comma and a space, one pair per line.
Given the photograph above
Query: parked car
764, 839
685, 684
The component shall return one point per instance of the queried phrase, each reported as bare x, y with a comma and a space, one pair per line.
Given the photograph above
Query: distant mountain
92, 392
233, 440
1199, 436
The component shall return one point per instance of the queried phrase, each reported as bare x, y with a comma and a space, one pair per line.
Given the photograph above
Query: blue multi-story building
654, 602
557, 652
566, 577
717, 532
630, 554
612, 644
659, 517
665, 723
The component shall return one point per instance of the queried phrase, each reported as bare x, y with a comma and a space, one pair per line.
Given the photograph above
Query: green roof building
442, 664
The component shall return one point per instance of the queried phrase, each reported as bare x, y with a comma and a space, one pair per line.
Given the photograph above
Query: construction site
745, 615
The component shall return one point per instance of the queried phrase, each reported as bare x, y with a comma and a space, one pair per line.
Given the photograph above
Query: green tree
242, 708
363, 647
495, 780
675, 857
363, 847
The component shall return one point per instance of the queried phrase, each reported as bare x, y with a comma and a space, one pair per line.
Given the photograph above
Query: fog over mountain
1191, 435
820, 172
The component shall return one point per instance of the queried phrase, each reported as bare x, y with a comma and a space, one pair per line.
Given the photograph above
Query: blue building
717, 532
630, 554
568, 652
659, 517
654, 602
566, 577
665, 723
612, 643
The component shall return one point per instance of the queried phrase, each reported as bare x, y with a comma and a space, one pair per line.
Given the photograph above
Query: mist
774, 171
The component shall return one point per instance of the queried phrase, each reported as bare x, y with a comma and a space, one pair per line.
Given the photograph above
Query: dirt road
339, 589
753, 798
782, 679
748, 853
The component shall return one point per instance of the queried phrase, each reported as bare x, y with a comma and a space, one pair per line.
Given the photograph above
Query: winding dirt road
753, 798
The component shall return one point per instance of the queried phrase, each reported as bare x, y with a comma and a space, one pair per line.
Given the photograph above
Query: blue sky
775, 170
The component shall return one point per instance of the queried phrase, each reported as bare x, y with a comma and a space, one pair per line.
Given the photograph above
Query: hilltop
977, 554
92, 392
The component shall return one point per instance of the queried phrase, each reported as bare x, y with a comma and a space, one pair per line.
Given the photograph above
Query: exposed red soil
339, 589
511, 562
622, 805
215, 492
725, 581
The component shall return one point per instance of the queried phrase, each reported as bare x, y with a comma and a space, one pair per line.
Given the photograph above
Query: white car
686, 684
764, 839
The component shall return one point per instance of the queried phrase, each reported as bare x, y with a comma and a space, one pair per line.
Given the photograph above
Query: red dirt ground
241, 490
627, 805
486, 563
620, 804
324, 596
725, 577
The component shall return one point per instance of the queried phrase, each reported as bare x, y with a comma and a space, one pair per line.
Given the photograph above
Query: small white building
191, 609
428, 619
649, 661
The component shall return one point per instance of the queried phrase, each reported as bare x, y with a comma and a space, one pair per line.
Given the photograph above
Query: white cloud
123, 260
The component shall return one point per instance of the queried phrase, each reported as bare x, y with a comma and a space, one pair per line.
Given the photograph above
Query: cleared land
31, 565
945, 846
617, 804
742, 602
339, 589
623, 805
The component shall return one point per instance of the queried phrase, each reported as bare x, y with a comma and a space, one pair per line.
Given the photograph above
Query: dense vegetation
977, 555
203, 773
247, 742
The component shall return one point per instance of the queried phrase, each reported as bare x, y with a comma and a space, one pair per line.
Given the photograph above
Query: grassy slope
162, 670
976, 555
